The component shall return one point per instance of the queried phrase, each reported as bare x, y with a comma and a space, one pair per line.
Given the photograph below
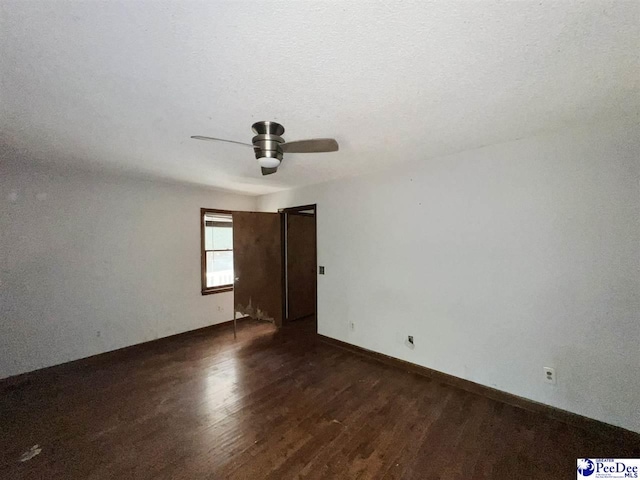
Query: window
217, 251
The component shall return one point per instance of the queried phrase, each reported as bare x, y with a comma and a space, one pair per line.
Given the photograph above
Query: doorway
299, 265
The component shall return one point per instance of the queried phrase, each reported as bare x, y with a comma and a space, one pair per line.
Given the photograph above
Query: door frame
283, 244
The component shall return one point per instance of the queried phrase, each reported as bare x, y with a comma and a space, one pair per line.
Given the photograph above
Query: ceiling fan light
268, 162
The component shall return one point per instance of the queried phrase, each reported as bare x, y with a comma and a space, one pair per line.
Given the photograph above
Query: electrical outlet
321, 270
410, 339
353, 326
549, 375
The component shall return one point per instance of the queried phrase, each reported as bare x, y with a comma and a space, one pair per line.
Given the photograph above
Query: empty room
319, 239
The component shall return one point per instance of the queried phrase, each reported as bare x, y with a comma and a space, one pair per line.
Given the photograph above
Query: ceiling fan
269, 146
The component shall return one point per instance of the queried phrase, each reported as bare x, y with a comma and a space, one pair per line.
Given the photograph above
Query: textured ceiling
123, 85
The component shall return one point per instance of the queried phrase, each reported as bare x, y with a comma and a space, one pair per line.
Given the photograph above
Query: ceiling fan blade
312, 145
199, 137
269, 171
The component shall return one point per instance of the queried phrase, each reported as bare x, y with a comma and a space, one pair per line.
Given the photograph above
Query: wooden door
301, 265
257, 266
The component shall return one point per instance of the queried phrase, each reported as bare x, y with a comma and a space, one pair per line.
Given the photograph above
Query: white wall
91, 263
499, 261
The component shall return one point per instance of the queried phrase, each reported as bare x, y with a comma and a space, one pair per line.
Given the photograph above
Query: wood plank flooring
271, 405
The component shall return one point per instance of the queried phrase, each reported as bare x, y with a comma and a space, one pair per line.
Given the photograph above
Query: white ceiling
122, 85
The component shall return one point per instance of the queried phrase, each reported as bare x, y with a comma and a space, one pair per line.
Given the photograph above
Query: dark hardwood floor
271, 405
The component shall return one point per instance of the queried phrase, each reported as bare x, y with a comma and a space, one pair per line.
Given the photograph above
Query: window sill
224, 288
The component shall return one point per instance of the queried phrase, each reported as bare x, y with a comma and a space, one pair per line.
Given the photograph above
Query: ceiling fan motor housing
267, 141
